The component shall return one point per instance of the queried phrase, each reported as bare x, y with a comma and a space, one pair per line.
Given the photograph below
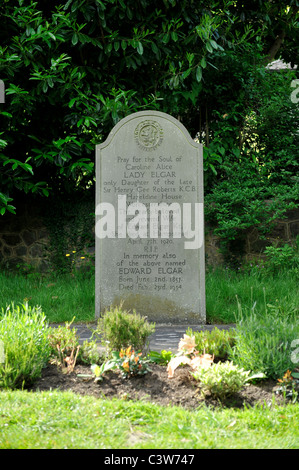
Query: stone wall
25, 240
285, 231
252, 245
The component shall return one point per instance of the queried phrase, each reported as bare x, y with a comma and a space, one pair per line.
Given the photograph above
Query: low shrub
120, 329
188, 355
221, 379
64, 342
63, 339
215, 342
26, 348
65, 347
263, 342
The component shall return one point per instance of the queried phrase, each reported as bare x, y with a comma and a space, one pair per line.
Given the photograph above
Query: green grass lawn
60, 420
65, 297
61, 297
63, 420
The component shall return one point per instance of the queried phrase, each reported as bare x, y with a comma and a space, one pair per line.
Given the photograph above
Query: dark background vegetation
72, 69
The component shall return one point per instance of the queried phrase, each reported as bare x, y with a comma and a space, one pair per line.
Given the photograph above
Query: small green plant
65, 346
282, 258
119, 329
216, 342
89, 353
26, 348
130, 363
163, 357
222, 379
99, 370
288, 386
28, 270
127, 361
63, 336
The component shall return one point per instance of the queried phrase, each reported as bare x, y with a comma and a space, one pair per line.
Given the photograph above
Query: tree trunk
275, 47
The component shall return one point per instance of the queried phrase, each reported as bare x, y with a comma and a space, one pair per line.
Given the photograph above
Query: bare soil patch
155, 386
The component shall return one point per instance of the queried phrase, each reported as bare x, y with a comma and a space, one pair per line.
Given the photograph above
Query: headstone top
148, 123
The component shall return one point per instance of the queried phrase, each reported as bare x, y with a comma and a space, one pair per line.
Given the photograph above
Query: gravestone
149, 220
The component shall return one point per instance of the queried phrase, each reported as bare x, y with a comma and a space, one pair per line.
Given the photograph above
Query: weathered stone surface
21, 250
294, 229
11, 239
149, 158
29, 237
6, 251
36, 250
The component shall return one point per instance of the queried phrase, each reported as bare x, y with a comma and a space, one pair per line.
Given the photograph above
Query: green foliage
89, 353
4, 204
282, 258
85, 65
163, 357
260, 145
64, 343
127, 361
215, 342
221, 379
263, 341
130, 363
24, 335
64, 347
288, 386
63, 339
99, 370
119, 329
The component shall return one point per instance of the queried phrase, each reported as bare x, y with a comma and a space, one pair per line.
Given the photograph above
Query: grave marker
149, 220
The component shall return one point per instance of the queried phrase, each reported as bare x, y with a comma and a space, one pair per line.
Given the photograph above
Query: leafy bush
215, 342
120, 329
263, 342
265, 158
24, 335
221, 379
285, 257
